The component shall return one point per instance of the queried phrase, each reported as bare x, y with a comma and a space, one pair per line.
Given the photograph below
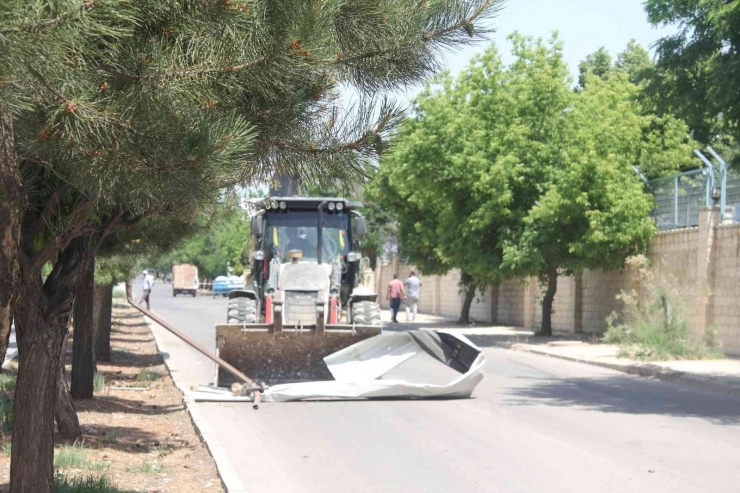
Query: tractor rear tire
366, 313
242, 311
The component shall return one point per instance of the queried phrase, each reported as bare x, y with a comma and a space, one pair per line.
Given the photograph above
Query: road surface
534, 425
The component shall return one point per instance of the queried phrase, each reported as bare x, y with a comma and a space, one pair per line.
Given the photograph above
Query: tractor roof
307, 203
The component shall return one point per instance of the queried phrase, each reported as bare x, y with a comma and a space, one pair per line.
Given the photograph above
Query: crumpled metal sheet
357, 369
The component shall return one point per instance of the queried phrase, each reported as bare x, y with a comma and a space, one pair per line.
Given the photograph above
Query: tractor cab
318, 231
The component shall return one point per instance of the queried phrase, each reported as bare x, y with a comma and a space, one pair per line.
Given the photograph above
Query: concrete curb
647, 370
227, 474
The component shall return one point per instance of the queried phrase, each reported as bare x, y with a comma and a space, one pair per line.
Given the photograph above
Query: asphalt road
534, 425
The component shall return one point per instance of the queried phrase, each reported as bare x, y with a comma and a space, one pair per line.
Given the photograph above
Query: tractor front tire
242, 311
366, 313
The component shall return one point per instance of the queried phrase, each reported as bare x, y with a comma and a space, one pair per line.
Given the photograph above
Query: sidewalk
717, 375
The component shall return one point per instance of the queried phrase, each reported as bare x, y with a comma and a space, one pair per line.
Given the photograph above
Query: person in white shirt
147, 283
412, 297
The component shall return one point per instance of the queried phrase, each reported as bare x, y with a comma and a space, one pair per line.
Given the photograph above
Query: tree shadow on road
628, 395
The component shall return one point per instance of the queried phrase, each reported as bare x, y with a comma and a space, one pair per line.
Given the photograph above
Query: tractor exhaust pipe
320, 230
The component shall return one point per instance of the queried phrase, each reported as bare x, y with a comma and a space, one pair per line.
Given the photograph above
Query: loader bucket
295, 354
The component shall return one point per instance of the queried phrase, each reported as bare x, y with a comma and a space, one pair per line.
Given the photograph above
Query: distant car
223, 285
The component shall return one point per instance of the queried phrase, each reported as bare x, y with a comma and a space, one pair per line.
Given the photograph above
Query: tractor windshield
297, 230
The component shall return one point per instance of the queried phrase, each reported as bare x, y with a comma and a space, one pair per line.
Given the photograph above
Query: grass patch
98, 466
7, 382
147, 375
147, 468
140, 385
6, 414
86, 484
75, 457
71, 457
655, 328
98, 382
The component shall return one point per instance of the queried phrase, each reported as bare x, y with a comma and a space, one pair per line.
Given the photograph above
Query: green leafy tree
450, 178
699, 65
382, 226
115, 112
598, 63
666, 145
594, 210
635, 60
221, 238
508, 172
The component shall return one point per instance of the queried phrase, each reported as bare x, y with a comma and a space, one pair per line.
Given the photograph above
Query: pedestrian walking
147, 283
395, 294
412, 284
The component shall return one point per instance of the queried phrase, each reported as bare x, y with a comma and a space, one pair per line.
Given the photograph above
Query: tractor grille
299, 307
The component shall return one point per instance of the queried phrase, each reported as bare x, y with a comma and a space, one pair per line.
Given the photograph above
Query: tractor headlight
283, 206
340, 206
331, 206
259, 255
353, 256
274, 204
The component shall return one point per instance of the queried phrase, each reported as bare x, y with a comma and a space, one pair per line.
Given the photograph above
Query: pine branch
355, 145
36, 27
424, 38
196, 71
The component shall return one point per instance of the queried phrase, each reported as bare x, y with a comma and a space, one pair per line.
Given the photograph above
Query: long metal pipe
223, 364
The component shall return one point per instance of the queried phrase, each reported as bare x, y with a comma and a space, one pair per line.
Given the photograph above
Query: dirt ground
136, 430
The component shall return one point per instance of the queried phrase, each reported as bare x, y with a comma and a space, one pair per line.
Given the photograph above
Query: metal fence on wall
679, 197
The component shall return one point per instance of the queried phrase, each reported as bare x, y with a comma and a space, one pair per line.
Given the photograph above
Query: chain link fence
678, 199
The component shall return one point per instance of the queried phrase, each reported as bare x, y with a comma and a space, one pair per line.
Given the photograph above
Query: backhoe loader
310, 293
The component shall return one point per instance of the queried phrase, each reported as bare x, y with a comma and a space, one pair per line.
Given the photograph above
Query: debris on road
358, 371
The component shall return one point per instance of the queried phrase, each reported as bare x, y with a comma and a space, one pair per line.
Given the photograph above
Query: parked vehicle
185, 279
223, 285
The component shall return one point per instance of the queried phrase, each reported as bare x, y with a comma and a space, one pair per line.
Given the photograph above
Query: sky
583, 26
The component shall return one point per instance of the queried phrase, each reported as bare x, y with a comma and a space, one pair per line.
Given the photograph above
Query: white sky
583, 26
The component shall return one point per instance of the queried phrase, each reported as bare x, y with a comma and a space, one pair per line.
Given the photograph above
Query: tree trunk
552, 287
469, 297
83, 358
104, 295
40, 342
42, 319
11, 210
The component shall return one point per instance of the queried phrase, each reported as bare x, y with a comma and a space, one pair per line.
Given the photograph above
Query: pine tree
115, 111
